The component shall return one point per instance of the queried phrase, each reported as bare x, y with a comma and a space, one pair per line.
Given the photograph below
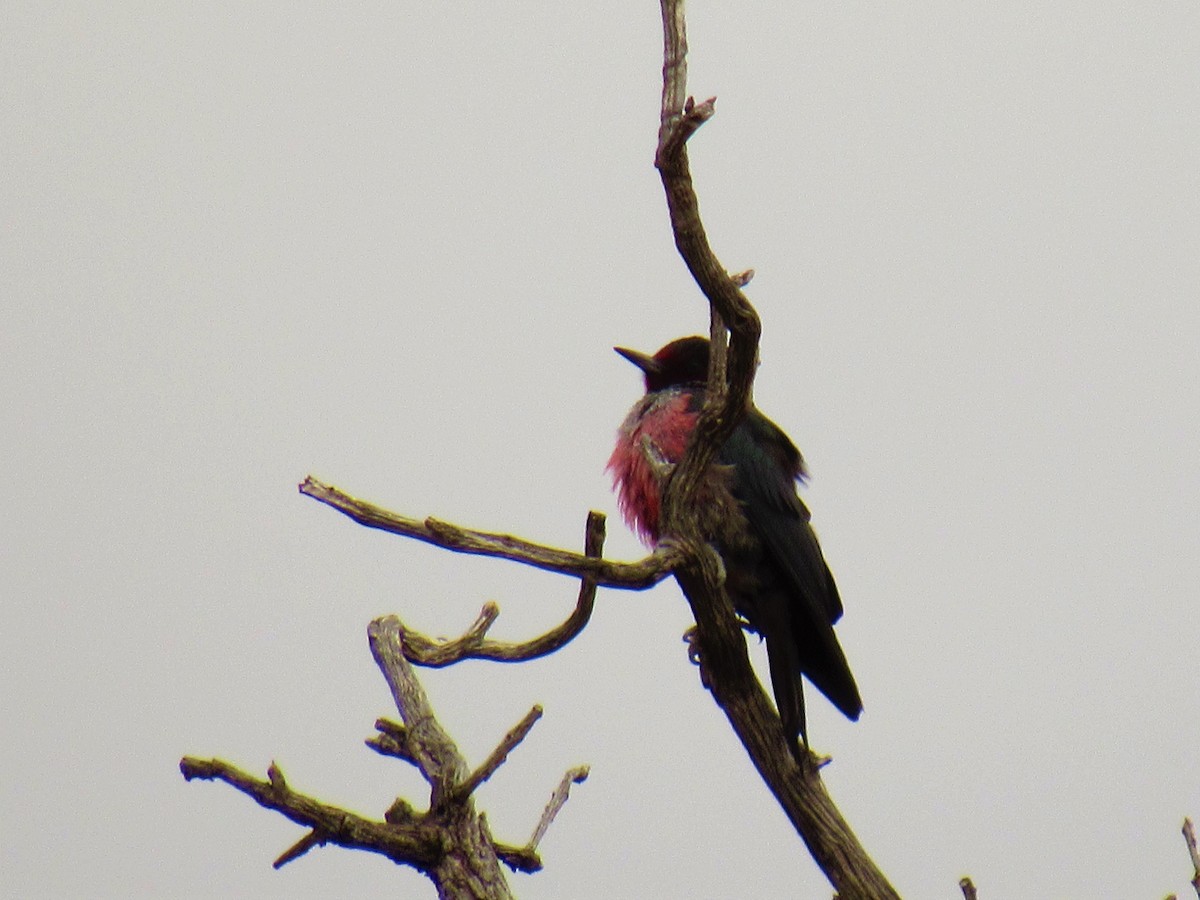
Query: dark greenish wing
767, 466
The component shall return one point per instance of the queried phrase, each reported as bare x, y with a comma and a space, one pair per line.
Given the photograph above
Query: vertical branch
470, 868
680, 117
725, 662
718, 344
430, 747
674, 65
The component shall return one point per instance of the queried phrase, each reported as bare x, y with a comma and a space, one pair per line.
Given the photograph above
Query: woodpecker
775, 573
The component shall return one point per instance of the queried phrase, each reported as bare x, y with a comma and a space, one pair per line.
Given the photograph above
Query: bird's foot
691, 637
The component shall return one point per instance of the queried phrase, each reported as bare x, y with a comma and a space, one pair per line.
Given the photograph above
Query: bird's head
683, 361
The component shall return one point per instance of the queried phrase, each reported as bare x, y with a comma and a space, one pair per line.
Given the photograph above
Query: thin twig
679, 119
1189, 837
392, 741
724, 660
431, 749
968, 888
674, 66
526, 859
313, 839
496, 758
435, 653
578, 775
473, 644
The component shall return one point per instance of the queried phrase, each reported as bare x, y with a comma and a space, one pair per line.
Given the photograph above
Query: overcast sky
391, 244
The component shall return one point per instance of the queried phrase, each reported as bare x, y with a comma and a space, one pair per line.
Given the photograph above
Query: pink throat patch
660, 423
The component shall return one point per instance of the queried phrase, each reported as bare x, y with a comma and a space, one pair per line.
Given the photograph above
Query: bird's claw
691, 637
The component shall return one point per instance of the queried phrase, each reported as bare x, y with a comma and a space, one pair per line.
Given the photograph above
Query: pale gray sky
391, 244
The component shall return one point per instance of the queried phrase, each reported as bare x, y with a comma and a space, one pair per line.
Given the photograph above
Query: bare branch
425, 742
450, 843
674, 66
578, 775
423, 651
725, 665
526, 859
313, 839
392, 741
413, 845
436, 653
683, 125
497, 757
968, 888
627, 576
519, 859
679, 119
1189, 837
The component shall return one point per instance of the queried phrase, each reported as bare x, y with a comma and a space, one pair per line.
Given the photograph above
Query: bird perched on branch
775, 574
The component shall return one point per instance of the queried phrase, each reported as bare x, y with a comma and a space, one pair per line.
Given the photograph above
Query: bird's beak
648, 364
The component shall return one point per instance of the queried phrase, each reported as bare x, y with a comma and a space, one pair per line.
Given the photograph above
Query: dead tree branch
1189, 837
473, 644
411, 845
496, 758
684, 552
628, 576
578, 775
450, 842
725, 664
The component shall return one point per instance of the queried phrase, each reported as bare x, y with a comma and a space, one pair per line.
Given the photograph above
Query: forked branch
684, 552
725, 664
449, 842
411, 845
473, 644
